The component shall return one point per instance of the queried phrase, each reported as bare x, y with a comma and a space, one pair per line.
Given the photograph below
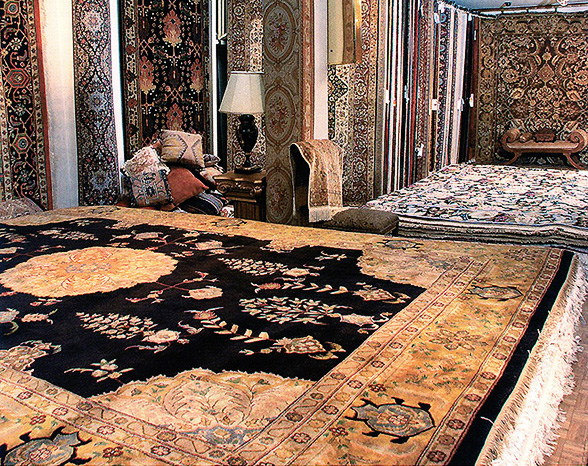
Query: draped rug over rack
146, 337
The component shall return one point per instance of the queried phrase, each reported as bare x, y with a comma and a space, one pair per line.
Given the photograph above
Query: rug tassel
525, 432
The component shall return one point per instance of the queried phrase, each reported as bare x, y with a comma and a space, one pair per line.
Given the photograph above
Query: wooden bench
576, 142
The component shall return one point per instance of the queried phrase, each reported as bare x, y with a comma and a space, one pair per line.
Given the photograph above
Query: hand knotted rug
154, 338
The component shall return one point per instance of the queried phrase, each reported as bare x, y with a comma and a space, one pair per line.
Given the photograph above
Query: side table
246, 192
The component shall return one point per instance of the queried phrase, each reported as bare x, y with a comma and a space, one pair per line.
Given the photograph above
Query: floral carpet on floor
495, 202
164, 338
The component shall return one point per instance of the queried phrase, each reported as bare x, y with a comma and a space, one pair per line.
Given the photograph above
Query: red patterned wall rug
98, 172
24, 151
533, 75
147, 338
165, 69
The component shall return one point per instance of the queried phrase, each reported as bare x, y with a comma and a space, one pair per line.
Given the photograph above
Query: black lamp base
247, 170
247, 136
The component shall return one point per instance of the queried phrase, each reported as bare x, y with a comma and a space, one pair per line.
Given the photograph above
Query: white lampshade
244, 93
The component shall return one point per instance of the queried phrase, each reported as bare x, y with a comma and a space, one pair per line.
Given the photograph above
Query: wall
533, 74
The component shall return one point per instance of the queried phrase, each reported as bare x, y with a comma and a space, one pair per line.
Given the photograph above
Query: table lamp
244, 96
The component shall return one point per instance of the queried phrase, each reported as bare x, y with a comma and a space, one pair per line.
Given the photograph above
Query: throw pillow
183, 185
144, 160
205, 203
150, 188
183, 148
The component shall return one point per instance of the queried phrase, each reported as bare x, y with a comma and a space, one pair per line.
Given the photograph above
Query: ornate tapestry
419, 149
452, 30
533, 75
495, 203
141, 337
165, 60
289, 96
245, 53
353, 91
24, 151
98, 173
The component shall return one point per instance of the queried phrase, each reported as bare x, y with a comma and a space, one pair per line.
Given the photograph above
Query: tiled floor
572, 446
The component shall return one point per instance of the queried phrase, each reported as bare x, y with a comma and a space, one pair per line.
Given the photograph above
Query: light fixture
244, 96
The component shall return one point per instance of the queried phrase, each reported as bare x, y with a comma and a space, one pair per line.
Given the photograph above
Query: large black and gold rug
146, 337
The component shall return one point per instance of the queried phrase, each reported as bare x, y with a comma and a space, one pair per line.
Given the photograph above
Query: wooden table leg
517, 154
579, 165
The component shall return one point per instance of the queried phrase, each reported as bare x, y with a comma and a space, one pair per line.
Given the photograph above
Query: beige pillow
183, 148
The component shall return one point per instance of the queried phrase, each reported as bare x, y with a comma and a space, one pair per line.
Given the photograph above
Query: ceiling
491, 4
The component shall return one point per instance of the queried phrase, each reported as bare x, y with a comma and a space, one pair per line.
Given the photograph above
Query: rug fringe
525, 432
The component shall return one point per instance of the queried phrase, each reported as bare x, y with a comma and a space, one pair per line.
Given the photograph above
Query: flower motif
301, 437
330, 409
210, 292
377, 387
36, 318
105, 430
60, 411
305, 345
436, 456
455, 424
112, 452
162, 336
338, 431
8, 316
160, 450
40, 419
446, 440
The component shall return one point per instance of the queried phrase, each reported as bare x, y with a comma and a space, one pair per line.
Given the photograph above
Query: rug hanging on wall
352, 110
24, 154
165, 63
532, 76
98, 174
245, 53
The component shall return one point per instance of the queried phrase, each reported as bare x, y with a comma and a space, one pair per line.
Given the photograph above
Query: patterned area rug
495, 203
98, 169
24, 154
135, 337
164, 46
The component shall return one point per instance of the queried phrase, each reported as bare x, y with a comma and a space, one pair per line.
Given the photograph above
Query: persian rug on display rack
145, 337
495, 203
